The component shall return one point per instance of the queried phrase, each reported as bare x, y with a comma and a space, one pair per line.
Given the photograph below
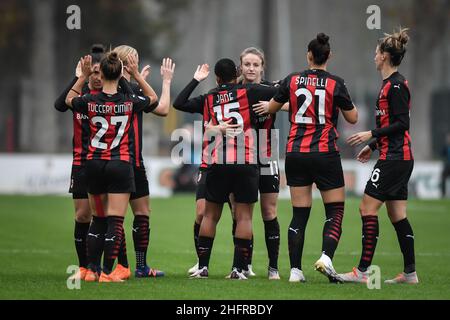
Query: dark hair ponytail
111, 66
320, 48
97, 53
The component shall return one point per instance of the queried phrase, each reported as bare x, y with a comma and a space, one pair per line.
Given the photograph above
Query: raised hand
132, 66
364, 155
145, 72
202, 72
261, 108
78, 71
167, 69
86, 66
358, 138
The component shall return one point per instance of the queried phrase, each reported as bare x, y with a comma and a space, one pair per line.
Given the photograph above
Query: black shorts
269, 178
201, 184
323, 169
109, 176
78, 182
389, 180
240, 179
141, 182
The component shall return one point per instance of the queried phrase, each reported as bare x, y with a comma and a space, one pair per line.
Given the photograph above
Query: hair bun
97, 48
402, 36
322, 38
112, 56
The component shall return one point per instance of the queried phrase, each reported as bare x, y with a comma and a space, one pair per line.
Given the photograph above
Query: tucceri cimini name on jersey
315, 82
107, 109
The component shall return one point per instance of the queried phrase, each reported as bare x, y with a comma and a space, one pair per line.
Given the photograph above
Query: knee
83, 215
365, 210
268, 211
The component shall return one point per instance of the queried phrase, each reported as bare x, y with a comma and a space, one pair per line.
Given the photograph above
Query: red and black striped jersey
266, 123
393, 106
235, 101
81, 132
315, 97
137, 125
110, 123
227, 101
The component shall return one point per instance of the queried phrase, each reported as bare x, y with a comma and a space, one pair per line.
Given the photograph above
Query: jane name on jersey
309, 81
111, 109
224, 98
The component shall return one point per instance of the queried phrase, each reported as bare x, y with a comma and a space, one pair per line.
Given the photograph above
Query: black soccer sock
122, 257
405, 237
196, 232
250, 253
332, 228
242, 253
272, 235
95, 241
113, 238
80, 234
205, 245
141, 238
296, 235
233, 231
370, 232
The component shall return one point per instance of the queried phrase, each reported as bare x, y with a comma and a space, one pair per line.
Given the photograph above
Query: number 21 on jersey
299, 116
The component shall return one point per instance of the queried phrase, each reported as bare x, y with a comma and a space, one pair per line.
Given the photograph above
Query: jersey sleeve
342, 97
282, 94
398, 98
183, 103
60, 103
80, 104
260, 92
140, 103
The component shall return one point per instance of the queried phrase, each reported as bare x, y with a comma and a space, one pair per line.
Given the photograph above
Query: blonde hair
395, 45
256, 52
123, 51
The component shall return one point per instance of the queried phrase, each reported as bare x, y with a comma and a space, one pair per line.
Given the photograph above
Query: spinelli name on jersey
110, 108
309, 81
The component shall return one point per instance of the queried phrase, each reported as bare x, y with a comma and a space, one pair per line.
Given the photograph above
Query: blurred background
39, 55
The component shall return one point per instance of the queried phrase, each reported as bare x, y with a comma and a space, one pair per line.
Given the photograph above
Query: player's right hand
364, 155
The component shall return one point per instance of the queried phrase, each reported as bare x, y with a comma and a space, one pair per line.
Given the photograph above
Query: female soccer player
139, 200
78, 186
111, 147
252, 69
315, 97
228, 101
389, 180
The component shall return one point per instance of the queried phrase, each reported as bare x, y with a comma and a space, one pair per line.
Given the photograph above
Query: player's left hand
145, 72
167, 69
360, 137
261, 108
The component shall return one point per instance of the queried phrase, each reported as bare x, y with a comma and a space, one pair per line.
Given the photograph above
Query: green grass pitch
36, 247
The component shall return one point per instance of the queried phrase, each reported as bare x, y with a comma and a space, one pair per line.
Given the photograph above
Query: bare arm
351, 116
132, 68
167, 70
274, 106
86, 68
